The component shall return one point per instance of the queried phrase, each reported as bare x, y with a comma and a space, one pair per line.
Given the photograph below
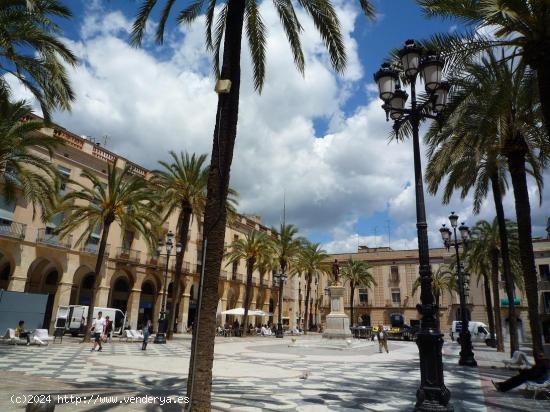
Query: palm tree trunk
506, 267
351, 299
199, 382
306, 313
516, 165
183, 232
489, 305
496, 301
97, 281
248, 293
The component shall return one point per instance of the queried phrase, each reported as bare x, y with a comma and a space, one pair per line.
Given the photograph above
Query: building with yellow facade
34, 259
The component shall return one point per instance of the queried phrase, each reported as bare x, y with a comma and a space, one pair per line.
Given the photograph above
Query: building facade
395, 272
33, 259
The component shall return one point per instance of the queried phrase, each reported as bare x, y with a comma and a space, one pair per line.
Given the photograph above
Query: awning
504, 301
240, 312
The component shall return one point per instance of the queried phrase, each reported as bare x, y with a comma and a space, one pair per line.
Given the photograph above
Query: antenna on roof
284, 208
389, 235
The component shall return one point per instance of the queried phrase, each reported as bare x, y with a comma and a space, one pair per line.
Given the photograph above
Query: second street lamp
160, 337
280, 279
432, 395
466, 352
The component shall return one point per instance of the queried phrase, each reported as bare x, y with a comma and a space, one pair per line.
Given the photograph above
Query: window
65, 174
546, 301
128, 239
544, 271
396, 296
394, 274
7, 207
363, 295
234, 270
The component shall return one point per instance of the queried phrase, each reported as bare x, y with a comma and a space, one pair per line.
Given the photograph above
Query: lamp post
280, 279
432, 395
466, 353
160, 337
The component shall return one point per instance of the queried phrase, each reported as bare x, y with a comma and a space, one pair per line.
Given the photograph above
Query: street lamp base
279, 332
432, 395
160, 338
467, 360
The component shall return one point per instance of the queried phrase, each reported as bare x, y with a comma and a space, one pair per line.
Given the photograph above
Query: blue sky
320, 140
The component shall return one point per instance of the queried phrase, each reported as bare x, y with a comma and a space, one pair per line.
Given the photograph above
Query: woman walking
146, 332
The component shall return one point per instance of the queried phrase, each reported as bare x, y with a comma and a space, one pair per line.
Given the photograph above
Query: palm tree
181, 186
286, 248
443, 280
479, 263
31, 52
254, 247
125, 199
488, 137
228, 28
309, 261
508, 125
357, 273
21, 170
485, 253
287, 245
521, 26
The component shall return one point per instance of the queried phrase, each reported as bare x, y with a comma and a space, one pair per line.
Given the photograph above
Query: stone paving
253, 374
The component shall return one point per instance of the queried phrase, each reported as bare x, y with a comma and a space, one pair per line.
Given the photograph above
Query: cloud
152, 100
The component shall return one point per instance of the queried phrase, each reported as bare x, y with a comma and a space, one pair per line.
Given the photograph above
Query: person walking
147, 330
108, 329
98, 326
22, 333
382, 339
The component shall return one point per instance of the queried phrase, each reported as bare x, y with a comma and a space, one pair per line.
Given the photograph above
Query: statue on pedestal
336, 272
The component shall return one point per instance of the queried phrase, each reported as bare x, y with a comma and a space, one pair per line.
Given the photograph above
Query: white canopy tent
240, 312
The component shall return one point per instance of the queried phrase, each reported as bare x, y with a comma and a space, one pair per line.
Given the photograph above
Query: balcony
129, 255
12, 229
93, 248
46, 237
159, 261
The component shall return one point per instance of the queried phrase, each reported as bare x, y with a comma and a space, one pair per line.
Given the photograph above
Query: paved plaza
251, 374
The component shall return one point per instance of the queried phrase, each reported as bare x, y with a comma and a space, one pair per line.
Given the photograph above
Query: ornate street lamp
432, 395
466, 351
279, 280
160, 337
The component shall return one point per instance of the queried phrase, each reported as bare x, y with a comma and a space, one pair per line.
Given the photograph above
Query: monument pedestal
337, 326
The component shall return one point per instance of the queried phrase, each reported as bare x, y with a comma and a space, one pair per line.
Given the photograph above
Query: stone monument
337, 326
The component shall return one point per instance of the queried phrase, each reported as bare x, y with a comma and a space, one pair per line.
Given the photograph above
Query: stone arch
7, 266
43, 277
147, 300
83, 286
271, 310
122, 284
193, 302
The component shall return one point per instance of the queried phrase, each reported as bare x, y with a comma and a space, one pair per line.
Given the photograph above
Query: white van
478, 330
73, 318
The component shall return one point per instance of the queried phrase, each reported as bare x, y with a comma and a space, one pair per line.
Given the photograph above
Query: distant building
395, 272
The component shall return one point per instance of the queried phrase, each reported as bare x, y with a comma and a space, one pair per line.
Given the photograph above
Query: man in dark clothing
538, 373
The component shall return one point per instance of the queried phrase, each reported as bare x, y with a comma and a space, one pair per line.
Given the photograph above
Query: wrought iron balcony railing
12, 229
93, 248
46, 237
130, 255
